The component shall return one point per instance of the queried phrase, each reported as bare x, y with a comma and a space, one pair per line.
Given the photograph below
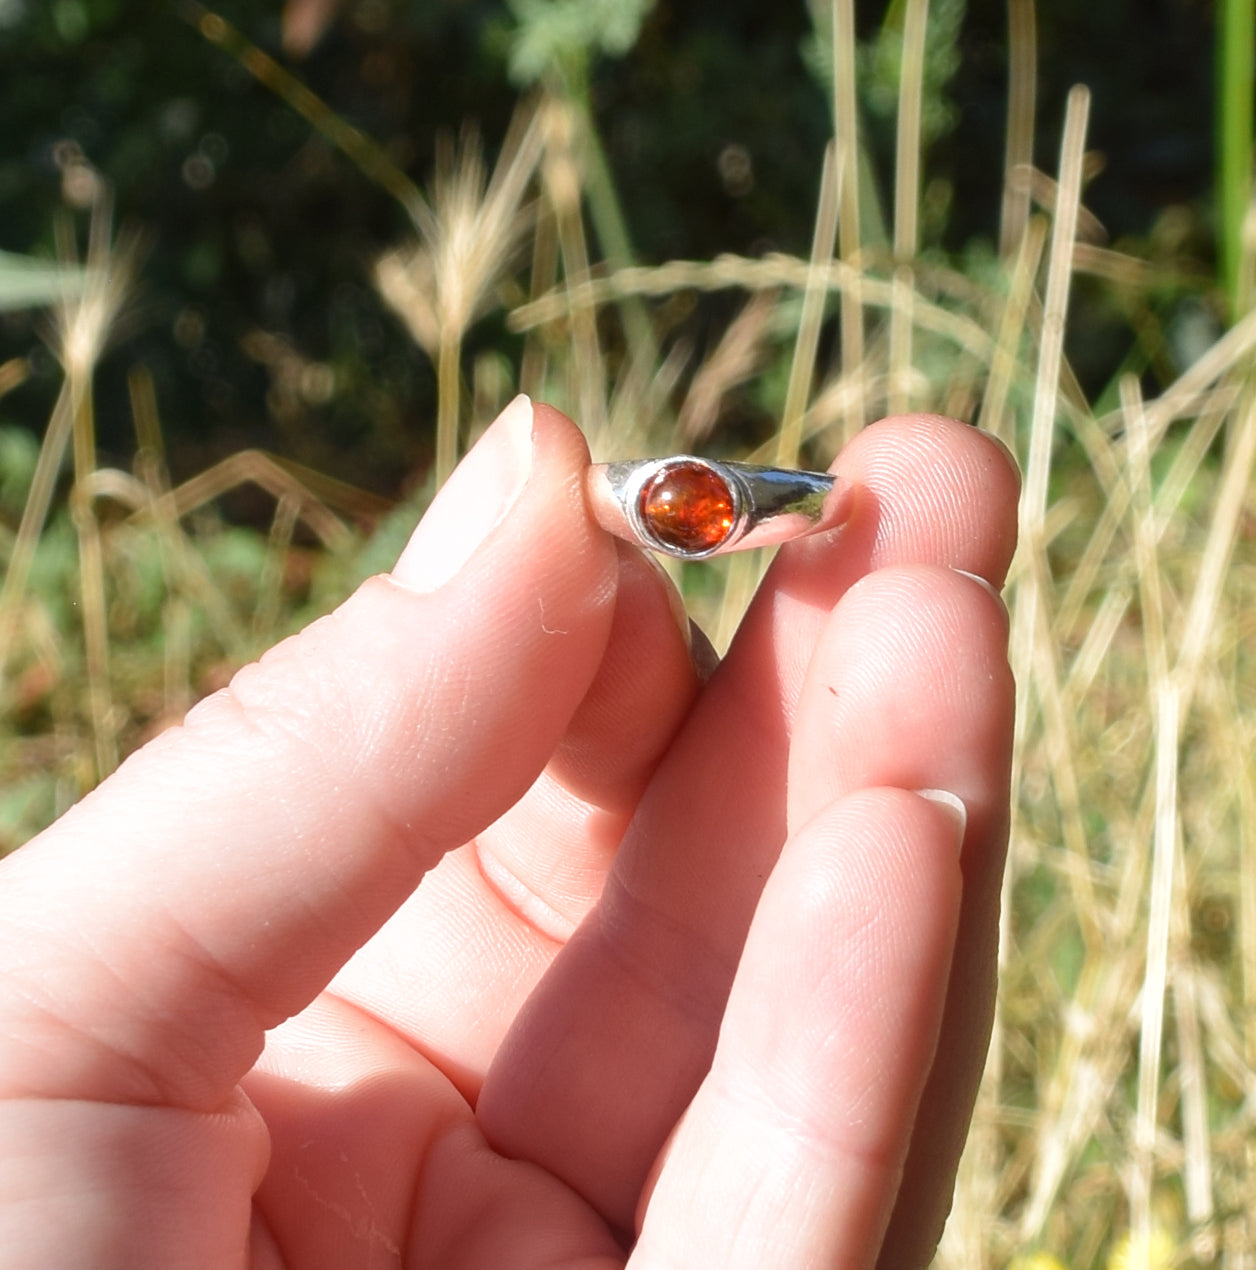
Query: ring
694, 508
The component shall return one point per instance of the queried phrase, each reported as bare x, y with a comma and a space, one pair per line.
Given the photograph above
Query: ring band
694, 508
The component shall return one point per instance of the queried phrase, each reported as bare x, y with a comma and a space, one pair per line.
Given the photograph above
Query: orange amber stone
687, 507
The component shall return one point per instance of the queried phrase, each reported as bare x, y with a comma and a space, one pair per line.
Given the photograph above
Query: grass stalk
448, 397
766, 273
91, 573
266, 617
806, 344
611, 228
1155, 975
176, 610
544, 272
1018, 146
34, 516
906, 203
1059, 280
740, 353
561, 177
745, 571
1202, 615
908, 137
370, 158
1046, 394
902, 325
1164, 706
12, 373
1235, 103
995, 417
1197, 1153
846, 135
1030, 646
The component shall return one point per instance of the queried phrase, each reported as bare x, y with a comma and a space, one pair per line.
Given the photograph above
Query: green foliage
18, 453
566, 35
27, 283
1236, 105
880, 61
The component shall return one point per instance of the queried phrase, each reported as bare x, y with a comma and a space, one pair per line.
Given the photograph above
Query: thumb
214, 884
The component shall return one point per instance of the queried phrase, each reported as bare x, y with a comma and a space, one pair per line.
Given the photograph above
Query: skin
695, 975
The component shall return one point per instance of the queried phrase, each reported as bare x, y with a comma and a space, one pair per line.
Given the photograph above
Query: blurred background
259, 234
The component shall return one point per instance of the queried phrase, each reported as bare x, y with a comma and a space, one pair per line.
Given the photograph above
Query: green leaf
562, 34
26, 282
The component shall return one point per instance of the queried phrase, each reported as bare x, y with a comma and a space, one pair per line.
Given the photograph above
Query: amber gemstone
687, 507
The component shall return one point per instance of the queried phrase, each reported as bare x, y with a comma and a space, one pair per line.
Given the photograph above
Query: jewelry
694, 508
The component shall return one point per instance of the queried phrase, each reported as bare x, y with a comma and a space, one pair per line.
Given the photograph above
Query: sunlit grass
1114, 1127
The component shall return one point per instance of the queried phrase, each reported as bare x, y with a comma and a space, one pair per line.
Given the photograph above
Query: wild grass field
1114, 1127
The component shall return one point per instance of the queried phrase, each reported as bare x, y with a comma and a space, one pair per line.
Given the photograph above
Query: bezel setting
769, 505
649, 472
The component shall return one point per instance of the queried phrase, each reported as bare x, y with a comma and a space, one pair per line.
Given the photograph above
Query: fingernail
1009, 455
954, 805
840, 504
984, 583
987, 586
472, 503
702, 653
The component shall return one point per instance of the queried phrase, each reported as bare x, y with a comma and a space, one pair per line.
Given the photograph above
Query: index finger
214, 884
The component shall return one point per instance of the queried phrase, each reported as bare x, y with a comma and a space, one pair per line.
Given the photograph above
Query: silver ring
694, 508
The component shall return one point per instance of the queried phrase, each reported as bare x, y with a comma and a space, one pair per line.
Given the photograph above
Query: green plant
1235, 107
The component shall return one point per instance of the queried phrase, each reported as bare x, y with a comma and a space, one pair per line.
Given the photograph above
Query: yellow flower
1158, 1254
1036, 1261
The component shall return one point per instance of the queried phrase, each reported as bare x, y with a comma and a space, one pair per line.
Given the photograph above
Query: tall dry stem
469, 232
846, 135
1018, 152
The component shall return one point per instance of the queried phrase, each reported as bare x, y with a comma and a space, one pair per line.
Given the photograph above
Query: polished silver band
694, 508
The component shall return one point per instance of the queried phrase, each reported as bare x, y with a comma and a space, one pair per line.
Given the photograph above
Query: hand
695, 967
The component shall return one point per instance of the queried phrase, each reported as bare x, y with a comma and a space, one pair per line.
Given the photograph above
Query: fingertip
945, 492
531, 456
472, 503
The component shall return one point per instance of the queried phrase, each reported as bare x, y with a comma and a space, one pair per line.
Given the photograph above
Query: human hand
694, 970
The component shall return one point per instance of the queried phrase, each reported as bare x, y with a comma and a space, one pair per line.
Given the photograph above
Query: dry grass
1114, 1126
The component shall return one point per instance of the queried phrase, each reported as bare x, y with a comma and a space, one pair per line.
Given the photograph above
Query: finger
215, 883
877, 729
797, 1136
648, 974
887, 677
929, 491
495, 912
